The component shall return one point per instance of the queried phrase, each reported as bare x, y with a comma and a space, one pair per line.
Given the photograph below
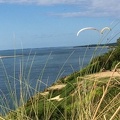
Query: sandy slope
107, 74
99, 75
57, 87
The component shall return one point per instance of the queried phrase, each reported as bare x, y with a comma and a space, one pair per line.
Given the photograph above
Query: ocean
41, 67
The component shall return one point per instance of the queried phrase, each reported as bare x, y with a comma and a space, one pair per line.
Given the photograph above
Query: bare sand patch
44, 93
57, 98
56, 87
106, 74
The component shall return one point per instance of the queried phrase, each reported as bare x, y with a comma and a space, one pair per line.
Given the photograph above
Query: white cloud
105, 4
105, 7
42, 2
89, 7
95, 8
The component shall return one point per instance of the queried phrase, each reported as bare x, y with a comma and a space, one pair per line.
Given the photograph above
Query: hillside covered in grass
88, 94
74, 98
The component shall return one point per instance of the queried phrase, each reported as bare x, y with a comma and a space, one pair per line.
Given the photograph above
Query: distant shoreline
98, 45
10, 56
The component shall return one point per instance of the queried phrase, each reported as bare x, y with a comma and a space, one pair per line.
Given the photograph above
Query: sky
55, 23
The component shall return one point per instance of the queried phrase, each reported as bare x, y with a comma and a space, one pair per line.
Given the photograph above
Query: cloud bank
95, 8
42, 2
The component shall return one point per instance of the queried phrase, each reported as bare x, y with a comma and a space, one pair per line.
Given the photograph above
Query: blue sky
53, 23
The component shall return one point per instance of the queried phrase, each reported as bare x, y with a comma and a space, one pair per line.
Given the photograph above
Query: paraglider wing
105, 28
87, 28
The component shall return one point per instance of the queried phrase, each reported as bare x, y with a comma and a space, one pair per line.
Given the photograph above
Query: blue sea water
41, 66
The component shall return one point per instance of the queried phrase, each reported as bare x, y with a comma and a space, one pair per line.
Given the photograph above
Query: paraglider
87, 28
92, 28
105, 28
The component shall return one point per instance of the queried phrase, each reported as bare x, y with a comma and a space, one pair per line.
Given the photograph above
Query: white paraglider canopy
105, 28
87, 28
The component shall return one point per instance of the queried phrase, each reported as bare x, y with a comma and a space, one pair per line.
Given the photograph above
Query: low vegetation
110, 59
79, 96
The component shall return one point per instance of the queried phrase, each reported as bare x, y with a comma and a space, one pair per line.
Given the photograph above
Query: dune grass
82, 97
85, 97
